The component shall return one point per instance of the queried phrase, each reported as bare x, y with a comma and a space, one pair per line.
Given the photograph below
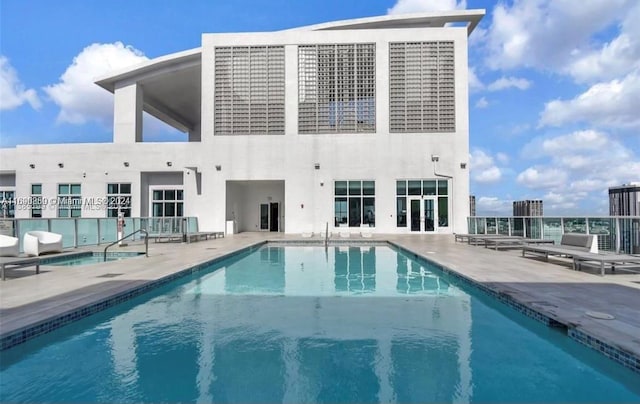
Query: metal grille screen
249, 90
422, 87
336, 88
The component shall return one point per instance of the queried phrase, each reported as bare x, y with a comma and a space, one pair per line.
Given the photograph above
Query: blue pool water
305, 324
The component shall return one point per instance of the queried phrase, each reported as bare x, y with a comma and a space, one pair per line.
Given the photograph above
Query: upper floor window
249, 90
337, 88
7, 204
118, 200
69, 200
422, 87
36, 200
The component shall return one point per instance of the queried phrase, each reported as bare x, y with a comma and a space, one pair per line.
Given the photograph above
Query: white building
358, 123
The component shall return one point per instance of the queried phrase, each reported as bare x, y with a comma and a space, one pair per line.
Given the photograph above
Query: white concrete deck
552, 289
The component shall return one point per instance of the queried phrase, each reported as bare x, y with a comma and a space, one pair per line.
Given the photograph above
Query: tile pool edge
44, 326
620, 355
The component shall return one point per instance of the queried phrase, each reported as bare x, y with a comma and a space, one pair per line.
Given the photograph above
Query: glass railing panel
66, 227
25, 225
8, 227
491, 225
575, 225
629, 235
517, 226
87, 231
605, 229
108, 230
551, 229
480, 225
193, 225
503, 226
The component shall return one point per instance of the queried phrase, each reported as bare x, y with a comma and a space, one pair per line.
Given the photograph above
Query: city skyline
549, 119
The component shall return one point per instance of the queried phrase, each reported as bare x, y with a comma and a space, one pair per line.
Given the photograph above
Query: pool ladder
326, 236
146, 243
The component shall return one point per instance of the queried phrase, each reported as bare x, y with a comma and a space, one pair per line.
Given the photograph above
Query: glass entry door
422, 214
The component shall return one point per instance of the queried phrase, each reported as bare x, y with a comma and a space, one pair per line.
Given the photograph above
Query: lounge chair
41, 242
571, 245
614, 261
18, 262
9, 246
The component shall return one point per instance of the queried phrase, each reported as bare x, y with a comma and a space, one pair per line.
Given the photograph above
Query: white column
127, 113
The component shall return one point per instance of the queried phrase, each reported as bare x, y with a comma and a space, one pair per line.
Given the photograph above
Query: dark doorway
274, 215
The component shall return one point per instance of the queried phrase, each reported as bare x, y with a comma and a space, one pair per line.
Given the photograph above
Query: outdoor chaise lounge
18, 262
9, 246
571, 244
40, 242
513, 242
613, 261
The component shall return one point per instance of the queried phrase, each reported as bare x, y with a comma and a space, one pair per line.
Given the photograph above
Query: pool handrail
146, 243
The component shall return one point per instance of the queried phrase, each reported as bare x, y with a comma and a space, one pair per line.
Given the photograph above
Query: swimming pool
305, 324
87, 258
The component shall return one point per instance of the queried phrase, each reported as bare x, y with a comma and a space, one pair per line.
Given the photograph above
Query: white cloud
416, 6
542, 177
578, 167
474, 82
548, 34
502, 157
504, 83
12, 92
79, 98
613, 59
482, 103
612, 104
491, 205
483, 168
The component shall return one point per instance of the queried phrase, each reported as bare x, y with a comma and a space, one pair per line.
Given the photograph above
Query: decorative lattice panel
422, 87
336, 88
249, 90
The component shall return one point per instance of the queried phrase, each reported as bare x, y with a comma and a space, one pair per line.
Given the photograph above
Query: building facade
358, 124
624, 200
528, 208
472, 205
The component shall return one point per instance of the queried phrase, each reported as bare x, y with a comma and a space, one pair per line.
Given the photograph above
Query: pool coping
20, 335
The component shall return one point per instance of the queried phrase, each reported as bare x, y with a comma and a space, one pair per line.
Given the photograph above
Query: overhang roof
171, 87
434, 19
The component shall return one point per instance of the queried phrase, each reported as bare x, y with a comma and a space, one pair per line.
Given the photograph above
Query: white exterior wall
308, 193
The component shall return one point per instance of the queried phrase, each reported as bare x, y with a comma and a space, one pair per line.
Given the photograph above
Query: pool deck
552, 289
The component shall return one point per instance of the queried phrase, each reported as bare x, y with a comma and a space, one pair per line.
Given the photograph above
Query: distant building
472, 205
527, 208
624, 200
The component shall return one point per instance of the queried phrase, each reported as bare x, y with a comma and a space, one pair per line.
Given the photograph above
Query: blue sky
554, 86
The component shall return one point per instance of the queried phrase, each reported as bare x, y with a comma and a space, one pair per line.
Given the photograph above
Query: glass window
168, 203
429, 187
368, 188
401, 212
415, 188
401, 187
443, 211
69, 200
118, 200
443, 187
356, 210
7, 204
355, 188
36, 200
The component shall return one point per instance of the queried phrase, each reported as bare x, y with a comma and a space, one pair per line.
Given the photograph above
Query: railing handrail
146, 243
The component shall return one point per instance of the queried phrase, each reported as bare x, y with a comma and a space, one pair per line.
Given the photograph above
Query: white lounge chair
40, 242
9, 246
